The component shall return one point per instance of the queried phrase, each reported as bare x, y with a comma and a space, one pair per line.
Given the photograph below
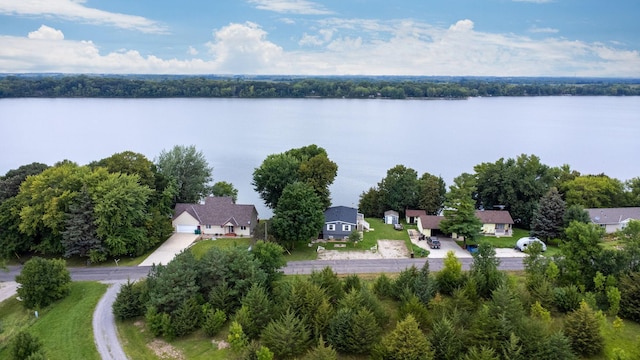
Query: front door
229, 229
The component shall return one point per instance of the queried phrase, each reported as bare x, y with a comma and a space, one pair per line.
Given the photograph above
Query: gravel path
7, 290
104, 325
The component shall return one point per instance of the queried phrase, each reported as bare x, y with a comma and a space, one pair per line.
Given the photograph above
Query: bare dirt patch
387, 249
164, 350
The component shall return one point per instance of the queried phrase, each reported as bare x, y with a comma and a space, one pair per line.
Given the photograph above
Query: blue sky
594, 38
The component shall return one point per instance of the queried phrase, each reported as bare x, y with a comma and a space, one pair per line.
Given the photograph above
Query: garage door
186, 228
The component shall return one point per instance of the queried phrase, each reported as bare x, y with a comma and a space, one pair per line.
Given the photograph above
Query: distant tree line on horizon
118, 86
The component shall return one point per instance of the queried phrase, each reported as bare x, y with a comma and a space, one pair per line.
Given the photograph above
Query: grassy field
64, 328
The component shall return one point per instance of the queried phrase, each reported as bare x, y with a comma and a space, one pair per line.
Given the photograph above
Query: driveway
448, 244
167, 251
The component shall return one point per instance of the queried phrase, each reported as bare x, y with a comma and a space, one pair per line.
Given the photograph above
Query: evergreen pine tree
548, 219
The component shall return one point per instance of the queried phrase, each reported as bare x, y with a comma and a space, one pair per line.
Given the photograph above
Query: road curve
105, 332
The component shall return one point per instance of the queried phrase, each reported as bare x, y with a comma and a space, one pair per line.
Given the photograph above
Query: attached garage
186, 228
185, 223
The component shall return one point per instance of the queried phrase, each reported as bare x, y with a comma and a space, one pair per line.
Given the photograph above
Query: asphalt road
293, 267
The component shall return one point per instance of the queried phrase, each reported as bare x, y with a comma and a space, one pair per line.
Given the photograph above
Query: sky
583, 38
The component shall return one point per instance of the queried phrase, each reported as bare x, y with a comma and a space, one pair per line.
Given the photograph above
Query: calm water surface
364, 137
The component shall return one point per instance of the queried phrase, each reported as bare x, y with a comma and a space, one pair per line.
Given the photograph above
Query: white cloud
548, 30
75, 10
341, 48
192, 51
243, 48
46, 33
302, 7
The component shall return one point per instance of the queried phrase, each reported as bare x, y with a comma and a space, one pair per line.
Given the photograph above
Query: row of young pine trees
482, 313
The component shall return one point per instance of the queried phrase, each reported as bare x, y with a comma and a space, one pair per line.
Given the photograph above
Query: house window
207, 226
346, 227
499, 226
243, 228
331, 227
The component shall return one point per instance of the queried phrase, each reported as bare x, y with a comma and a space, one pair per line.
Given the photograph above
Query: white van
523, 243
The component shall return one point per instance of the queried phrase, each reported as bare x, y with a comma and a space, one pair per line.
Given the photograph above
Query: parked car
397, 226
523, 243
472, 248
433, 242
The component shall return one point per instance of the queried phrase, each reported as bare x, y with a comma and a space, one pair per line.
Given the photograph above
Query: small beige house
217, 216
429, 225
495, 222
411, 216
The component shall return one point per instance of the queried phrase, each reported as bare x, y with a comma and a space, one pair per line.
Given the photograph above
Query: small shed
391, 217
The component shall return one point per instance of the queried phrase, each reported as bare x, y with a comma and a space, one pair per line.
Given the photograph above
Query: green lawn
199, 248
64, 328
625, 338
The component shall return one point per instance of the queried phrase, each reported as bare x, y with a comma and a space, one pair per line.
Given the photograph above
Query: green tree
173, 284
43, 281
582, 327
629, 287
548, 219
189, 171
299, 215
399, 189
371, 204
581, 250
517, 184
630, 238
575, 213
237, 340
287, 337
450, 277
557, 347
431, 193
25, 346
12, 241
120, 204
10, 182
271, 258
594, 191
274, 174
460, 214
309, 164
213, 320
352, 331
223, 188
256, 311
322, 351
129, 302
406, 342
130, 163
484, 270
328, 280
80, 236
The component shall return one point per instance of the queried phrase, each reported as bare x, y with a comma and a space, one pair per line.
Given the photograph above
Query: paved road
105, 332
293, 267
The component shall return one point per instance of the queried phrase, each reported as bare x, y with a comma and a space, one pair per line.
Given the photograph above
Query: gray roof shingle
218, 211
613, 215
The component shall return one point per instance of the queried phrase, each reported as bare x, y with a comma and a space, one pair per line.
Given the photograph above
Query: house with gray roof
217, 216
339, 222
613, 219
494, 223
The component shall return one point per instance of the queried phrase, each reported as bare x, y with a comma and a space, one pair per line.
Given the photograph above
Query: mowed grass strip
64, 327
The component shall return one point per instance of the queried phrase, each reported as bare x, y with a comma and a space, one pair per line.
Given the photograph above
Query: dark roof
414, 213
431, 221
341, 213
613, 215
218, 211
494, 216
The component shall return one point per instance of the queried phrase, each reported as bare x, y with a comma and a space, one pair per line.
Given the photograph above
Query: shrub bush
43, 281
566, 299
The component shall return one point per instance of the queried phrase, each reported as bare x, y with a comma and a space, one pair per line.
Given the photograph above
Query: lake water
364, 137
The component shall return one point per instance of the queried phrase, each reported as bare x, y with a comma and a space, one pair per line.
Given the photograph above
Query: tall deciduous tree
189, 170
548, 220
594, 191
575, 213
460, 214
370, 203
517, 184
223, 188
399, 189
309, 164
10, 182
299, 215
581, 251
431, 193
131, 163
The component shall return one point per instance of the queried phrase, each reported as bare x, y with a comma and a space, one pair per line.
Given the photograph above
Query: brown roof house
411, 216
494, 223
217, 216
613, 219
